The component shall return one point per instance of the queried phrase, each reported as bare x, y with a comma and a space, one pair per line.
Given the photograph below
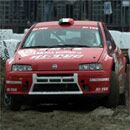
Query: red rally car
66, 59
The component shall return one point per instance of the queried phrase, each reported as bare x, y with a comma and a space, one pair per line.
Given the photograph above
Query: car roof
76, 23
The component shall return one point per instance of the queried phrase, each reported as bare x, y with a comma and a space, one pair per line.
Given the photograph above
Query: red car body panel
68, 60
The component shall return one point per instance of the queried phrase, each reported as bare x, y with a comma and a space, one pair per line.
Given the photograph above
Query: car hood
63, 58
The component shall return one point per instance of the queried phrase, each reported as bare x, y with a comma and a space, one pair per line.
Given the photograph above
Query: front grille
55, 88
58, 80
42, 80
55, 83
55, 80
68, 80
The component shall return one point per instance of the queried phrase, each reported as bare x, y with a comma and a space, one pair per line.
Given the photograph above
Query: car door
119, 58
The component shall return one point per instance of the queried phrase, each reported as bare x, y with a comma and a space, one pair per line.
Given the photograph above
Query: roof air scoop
66, 21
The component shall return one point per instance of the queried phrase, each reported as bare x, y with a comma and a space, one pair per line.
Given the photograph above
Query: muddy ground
66, 117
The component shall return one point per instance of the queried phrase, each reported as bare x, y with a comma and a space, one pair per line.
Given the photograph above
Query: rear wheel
113, 98
11, 102
124, 95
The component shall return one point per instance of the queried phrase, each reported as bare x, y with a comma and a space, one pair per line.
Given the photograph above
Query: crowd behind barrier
9, 40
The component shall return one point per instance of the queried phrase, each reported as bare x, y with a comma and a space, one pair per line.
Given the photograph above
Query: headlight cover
17, 67
95, 66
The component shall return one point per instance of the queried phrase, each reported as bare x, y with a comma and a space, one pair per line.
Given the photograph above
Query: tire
2, 93
114, 96
124, 96
11, 102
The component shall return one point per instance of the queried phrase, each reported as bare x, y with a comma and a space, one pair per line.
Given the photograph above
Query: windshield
72, 37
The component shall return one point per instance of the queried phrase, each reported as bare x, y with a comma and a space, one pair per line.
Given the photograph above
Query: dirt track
72, 117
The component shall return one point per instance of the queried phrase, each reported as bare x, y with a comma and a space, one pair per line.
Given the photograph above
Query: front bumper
58, 83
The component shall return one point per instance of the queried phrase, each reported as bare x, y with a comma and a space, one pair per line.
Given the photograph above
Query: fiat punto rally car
65, 58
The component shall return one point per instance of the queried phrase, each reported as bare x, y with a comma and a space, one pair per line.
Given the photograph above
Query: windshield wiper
70, 45
61, 45
37, 47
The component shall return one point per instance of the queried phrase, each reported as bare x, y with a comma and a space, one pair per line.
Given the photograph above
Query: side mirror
110, 47
109, 44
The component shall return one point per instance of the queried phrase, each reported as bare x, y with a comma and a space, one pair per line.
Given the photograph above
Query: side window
109, 38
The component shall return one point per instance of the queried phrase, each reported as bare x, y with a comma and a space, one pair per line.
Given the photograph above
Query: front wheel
11, 102
114, 96
124, 96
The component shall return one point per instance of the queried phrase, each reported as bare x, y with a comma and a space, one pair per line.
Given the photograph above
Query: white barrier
7, 48
6, 34
122, 40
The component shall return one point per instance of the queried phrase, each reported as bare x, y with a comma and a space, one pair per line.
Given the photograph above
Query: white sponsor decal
58, 52
87, 27
13, 82
98, 79
24, 53
52, 51
77, 49
69, 52
11, 89
41, 28
57, 56
102, 89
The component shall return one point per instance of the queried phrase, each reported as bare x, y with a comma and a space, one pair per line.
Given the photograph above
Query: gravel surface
66, 117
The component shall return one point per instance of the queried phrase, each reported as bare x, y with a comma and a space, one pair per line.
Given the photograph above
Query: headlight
90, 67
21, 67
